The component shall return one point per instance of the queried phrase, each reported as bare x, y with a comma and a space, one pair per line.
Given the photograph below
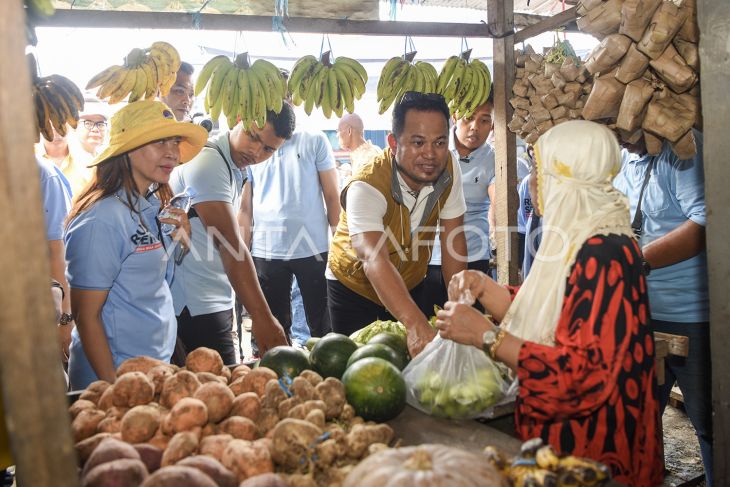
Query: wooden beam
714, 26
526, 20
676, 344
548, 24
501, 24
33, 389
254, 23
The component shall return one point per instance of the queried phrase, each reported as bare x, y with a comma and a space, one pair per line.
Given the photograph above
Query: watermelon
378, 350
285, 361
330, 355
311, 342
396, 342
375, 388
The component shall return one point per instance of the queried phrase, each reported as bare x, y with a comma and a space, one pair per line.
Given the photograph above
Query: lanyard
637, 224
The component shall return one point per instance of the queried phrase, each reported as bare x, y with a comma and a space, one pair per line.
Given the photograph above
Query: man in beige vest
391, 209
351, 136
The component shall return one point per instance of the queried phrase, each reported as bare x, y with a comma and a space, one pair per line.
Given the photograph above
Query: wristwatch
66, 318
491, 340
646, 267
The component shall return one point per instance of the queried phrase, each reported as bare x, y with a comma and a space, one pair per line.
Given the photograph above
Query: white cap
94, 106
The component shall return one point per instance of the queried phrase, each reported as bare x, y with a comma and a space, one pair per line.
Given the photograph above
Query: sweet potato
94, 391
110, 424
302, 388
292, 440
273, 395
247, 405
215, 445
127, 472
265, 480
332, 392
239, 372
313, 377
138, 364
158, 375
78, 406
150, 455
140, 424
239, 427
108, 450
218, 399
105, 401
85, 448
181, 445
266, 421
204, 359
133, 389
178, 476
256, 380
287, 405
85, 423
212, 468
182, 384
246, 459
187, 414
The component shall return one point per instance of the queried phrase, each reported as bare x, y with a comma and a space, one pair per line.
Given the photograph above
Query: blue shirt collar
476, 154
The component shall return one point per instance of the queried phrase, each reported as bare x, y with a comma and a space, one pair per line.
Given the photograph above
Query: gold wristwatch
491, 340
66, 318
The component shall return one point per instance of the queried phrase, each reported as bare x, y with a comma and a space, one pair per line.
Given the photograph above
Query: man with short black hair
391, 209
181, 95
219, 266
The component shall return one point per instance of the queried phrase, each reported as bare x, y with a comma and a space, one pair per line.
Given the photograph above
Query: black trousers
434, 288
276, 276
350, 311
211, 330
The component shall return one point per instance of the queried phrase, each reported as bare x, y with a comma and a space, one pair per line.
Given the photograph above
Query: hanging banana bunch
57, 102
241, 90
41, 8
144, 74
465, 85
333, 87
400, 74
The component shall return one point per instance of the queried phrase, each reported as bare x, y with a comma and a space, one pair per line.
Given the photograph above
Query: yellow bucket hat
145, 121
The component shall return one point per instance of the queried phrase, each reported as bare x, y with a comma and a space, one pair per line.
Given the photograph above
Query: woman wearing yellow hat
117, 256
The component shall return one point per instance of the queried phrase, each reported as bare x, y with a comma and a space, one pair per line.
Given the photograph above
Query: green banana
456, 80
255, 77
305, 81
300, 68
387, 70
447, 72
244, 96
347, 95
356, 66
217, 79
358, 86
230, 83
207, 71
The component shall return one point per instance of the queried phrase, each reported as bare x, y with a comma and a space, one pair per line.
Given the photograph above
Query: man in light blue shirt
291, 202
219, 265
468, 143
671, 224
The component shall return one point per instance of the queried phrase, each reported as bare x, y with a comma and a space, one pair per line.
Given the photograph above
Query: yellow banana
140, 85
150, 73
255, 77
258, 101
547, 458
112, 84
217, 79
102, 77
123, 90
170, 51
207, 71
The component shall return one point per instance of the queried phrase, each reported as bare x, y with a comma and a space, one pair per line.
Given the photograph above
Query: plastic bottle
183, 201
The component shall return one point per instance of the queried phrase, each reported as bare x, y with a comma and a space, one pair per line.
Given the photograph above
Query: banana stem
325, 58
243, 61
410, 56
465, 55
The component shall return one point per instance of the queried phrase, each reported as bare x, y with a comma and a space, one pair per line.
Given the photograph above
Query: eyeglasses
90, 124
410, 96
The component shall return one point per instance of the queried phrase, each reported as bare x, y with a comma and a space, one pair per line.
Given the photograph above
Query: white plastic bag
452, 380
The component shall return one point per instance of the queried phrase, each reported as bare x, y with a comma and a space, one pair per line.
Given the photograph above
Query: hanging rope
281, 10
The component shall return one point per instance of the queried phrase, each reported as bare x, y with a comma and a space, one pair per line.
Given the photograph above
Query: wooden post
714, 23
500, 17
30, 363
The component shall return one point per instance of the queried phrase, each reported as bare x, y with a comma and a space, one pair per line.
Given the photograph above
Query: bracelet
497, 342
55, 283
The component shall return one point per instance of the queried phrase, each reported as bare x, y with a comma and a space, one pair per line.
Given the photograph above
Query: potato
348, 412
182, 384
332, 392
150, 455
313, 377
209, 429
78, 406
205, 377
239, 427
218, 399
105, 401
178, 476
138, 364
237, 386
84, 448
247, 405
255, 381
212, 468
160, 440
116, 413
287, 405
246, 459
126, 472
302, 410
109, 449
215, 445
239, 372
181, 445
302, 388
226, 374
109, 424
187, 414
265, 480
204, 359
140, 424
361, 436
266, 421
317, 417
85, 423
292, 439
158, 375
133, 389
94, 391
300, 480
273, 395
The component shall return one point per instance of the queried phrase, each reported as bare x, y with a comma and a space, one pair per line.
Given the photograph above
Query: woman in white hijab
576, 333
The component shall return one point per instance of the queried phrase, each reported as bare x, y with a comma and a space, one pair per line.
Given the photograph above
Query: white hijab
576, 164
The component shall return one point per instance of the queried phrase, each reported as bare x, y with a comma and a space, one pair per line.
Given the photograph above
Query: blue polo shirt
56, 198
525, 209
675, 193
110, 248
201, 283
477, 173
289, 214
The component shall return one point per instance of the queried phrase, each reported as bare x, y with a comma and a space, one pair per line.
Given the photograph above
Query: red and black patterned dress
594, 394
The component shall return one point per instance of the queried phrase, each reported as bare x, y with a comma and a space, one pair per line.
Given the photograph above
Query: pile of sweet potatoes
204, 425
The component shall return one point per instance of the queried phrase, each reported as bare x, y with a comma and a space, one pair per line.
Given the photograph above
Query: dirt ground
681, 450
